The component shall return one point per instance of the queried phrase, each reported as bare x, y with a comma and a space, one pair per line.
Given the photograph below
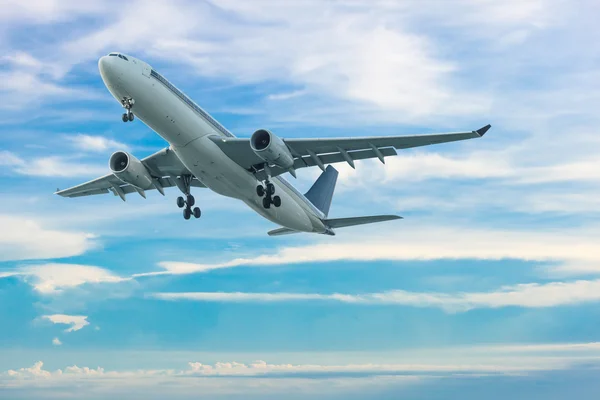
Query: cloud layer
532, 295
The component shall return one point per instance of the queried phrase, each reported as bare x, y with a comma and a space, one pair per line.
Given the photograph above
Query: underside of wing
164, 168
281, 232
353, 221
320, 152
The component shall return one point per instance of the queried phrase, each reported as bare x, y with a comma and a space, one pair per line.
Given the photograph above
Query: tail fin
344, 222
321, 192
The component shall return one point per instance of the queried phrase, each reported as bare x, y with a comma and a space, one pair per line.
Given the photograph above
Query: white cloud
342, 372
95, 143
366, 54
569, 251
22, 238
285, 95
10, 159
57, 166
51, 166
15, 12
260, 368
33, 371
29, 81
76, 322
532, 295
56, 342
51, 279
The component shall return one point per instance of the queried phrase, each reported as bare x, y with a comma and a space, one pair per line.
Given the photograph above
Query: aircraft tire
190, 201
277, 201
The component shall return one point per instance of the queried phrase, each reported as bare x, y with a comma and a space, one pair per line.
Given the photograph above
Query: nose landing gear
127, 104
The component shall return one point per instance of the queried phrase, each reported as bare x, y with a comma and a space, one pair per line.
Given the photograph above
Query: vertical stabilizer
321, 192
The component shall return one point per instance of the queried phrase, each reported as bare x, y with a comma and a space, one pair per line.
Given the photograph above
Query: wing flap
331, 158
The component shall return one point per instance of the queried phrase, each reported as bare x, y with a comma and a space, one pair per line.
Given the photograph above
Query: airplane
204, 154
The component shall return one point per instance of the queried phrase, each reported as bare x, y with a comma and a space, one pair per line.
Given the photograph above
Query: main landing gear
127, 104
187, 205
267, 192
184, 183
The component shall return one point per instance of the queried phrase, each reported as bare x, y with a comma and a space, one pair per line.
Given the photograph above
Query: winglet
482, 131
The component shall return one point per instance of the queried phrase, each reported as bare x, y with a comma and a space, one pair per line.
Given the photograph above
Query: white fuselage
187, 128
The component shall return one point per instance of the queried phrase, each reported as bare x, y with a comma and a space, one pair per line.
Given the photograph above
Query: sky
488, 288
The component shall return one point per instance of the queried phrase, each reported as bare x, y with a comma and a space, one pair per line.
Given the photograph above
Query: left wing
319, 152
164, 166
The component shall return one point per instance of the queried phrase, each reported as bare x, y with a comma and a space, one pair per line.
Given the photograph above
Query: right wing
164, 166
322, 151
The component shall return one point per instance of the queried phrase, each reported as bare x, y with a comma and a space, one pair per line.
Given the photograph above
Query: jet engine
271, 149
130, 170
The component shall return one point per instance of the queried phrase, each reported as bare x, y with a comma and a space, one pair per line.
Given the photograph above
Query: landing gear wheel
190, 200
197, 213
180, 202
260, 190
130, 117
266, 202
124, 117
276, 201
187, 213
270, 189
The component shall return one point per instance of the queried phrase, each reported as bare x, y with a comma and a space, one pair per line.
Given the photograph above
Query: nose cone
107, 68
112, 70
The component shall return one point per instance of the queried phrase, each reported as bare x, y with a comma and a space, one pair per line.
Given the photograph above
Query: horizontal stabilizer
281, 231
344, 222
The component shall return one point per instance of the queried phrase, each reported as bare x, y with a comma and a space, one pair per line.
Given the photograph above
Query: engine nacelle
130, 170
271, 149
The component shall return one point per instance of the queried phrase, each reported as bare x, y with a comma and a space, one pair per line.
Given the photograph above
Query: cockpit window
119, 55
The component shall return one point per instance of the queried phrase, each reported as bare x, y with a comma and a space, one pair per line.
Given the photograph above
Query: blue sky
488, 288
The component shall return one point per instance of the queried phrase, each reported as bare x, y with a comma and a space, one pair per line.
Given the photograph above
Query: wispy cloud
22, 238
75, 322
95, 143
56, 342
51, 166
30, 81
572, 251
49, 279
532, 295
